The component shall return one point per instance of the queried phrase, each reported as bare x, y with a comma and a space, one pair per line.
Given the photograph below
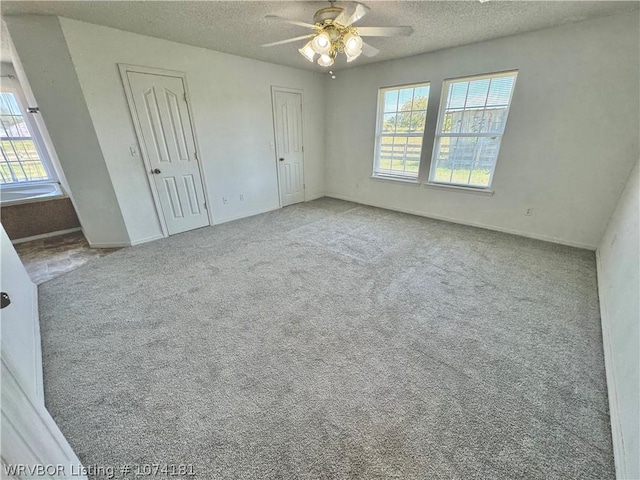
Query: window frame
379, 134
11, 85
446, 84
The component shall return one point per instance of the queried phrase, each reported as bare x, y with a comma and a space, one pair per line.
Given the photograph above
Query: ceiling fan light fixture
351, 58
352, 45
325, 60
307, 51
334, 33
321, 43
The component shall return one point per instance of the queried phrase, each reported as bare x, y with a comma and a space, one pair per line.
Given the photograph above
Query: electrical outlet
133, 149
529, 212
225, 200
242, 197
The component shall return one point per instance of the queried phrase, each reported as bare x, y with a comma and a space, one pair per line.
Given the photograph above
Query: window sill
458, 188
30, 192
407, 181
437, 186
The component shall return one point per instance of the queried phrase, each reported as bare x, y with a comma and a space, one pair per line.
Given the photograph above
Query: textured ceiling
240, 27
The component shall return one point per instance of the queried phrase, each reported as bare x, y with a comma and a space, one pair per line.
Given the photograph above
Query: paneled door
287, 116
166, 136
31, 444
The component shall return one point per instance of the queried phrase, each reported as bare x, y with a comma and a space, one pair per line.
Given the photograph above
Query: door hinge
195, 154
205, 206
185, 96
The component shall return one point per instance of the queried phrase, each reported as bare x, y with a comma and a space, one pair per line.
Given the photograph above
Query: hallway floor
51, 257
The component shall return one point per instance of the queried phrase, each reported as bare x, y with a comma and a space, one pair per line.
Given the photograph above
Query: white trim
147, 239
46, 235
452, 187
110, 244
247, 215
310, 198
391, 178
544, 238
619, 455
59, 194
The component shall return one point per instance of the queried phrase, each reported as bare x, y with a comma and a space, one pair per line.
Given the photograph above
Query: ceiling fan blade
384, 31
289, 40
368, 50
292, 22
347, 19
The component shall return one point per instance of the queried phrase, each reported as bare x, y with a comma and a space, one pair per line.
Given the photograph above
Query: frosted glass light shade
307, 51
325, 60
351, 58
352, 45
321, 43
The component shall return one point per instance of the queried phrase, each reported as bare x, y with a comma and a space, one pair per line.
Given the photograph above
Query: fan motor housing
328, 13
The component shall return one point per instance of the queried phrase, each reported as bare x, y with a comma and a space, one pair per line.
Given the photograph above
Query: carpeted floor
333, 340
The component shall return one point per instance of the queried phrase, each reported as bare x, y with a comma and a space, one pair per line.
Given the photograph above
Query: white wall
231, 99
619, 288
570, 141
44, 59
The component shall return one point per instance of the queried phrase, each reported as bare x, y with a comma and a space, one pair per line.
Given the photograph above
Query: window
22, 161
402, 112
473, 114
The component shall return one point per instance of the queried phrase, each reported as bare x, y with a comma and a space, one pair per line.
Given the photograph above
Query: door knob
156, 171
281, 159
5, 299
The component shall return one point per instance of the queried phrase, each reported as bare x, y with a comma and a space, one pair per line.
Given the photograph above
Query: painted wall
44, 58
619, 288
570, 142
231, 100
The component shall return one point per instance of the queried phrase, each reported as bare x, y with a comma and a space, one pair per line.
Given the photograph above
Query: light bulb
307, 51
325, 60
321, 43
352, 44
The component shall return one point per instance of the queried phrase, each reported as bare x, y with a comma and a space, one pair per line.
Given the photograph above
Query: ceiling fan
335, 33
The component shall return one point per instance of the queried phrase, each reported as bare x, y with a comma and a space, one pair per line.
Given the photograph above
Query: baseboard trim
109, 244
45, 235
314, 197
612, 386
470, 224
247, 215
152, 238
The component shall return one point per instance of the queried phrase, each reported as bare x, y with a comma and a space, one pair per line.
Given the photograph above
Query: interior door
167, 140
30, 439
287, 115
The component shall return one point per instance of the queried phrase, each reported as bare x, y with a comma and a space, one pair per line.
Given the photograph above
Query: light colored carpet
333, 340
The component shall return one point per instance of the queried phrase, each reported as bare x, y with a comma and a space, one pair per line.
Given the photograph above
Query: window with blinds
21, 160
471, 122
401, 118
